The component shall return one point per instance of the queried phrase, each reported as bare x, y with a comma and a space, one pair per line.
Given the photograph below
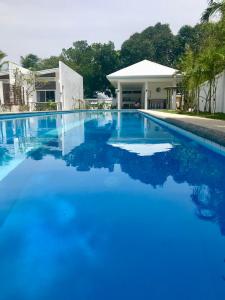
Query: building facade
62, 87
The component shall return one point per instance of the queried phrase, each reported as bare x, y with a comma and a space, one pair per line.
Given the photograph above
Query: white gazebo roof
144, 149
143, 69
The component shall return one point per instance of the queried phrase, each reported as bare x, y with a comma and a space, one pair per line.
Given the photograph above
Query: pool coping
10, 115
210, 138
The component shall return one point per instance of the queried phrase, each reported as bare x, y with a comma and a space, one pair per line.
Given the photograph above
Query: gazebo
144, 85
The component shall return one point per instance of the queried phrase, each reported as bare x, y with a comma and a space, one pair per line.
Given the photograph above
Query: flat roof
47, 71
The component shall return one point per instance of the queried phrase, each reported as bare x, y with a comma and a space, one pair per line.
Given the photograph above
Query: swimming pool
109, 205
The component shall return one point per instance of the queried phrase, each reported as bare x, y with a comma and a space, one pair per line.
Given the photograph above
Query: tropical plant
202, 64
2, 56
213, 8
191, 79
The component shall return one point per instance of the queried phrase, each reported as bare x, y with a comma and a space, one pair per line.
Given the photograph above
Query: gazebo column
146, 95
173, 99
119, 93
174, 95
118, 124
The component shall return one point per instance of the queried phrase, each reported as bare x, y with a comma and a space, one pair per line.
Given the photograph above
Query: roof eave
46, 71
110, 77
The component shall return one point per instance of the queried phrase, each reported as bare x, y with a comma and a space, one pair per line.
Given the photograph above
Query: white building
62, 86
147, 84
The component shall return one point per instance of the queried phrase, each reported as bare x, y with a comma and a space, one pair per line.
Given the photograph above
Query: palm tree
213, 8
2, 55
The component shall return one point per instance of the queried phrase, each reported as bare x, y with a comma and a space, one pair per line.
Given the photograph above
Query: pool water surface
109, 206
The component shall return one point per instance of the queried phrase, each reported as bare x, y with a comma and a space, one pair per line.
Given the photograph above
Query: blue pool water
108, 206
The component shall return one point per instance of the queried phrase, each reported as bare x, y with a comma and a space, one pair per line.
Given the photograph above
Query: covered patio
144, 85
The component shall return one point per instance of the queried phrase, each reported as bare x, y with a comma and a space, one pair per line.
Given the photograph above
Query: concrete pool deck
210, 129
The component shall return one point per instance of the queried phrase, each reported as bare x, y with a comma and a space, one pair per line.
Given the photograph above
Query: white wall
72, 131
220, 94
71, 86
158, 95
1, 93
57, 91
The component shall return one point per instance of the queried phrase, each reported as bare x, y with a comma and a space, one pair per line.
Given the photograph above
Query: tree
189, 36
105, 60
156, 43
208, 57
30, 61
135, 49
49, 63
93, 62
203, 64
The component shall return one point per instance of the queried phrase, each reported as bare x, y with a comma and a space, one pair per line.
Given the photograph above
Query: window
50, 96
45, 96
158, 90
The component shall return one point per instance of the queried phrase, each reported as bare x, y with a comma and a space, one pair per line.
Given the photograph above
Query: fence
218, 103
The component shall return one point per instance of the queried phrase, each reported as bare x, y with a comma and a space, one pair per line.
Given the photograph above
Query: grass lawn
218, 116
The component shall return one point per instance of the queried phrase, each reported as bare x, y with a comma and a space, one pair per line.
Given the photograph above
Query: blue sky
44, 27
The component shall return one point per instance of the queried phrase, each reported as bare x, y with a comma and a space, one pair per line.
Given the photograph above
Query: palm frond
2, 55
211, 10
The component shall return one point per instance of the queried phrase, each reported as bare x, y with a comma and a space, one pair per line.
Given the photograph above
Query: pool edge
195, 134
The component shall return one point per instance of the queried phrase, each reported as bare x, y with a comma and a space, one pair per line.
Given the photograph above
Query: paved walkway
210, 129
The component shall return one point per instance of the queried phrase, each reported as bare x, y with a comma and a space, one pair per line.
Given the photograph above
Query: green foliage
202, 62
213, 8
216, 116
156, 43
45, 106
24, 107
2, 56
34, 63
94, 62
189, 36
5, 157
30, 61
49, 63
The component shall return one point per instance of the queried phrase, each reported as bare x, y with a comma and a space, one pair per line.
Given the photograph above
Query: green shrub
43, 106
24, 107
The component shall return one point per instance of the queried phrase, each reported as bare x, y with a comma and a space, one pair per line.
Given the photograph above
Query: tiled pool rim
210, 144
